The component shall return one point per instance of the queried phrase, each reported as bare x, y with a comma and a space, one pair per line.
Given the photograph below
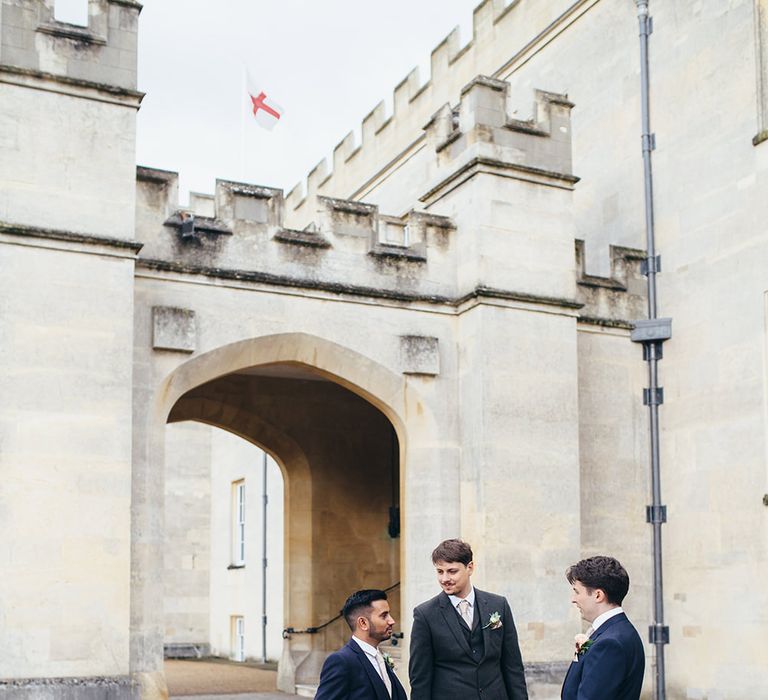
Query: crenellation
495, 24
317, 176
484, 17
619, 297
103, 52
405, 91
444, 54
374, 122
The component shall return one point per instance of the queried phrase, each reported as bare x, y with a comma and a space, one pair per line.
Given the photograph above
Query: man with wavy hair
609, 661
463, 641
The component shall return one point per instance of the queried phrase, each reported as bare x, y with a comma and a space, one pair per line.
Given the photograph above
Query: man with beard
359, 671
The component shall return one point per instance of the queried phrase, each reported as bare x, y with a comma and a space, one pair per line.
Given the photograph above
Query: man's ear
471, 567
600, 596
362, 622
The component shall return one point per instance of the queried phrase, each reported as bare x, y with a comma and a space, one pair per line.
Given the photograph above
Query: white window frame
238, 523
238, 638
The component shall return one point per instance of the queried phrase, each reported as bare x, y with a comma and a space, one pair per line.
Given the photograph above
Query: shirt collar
455, 600
600, 619
367, 648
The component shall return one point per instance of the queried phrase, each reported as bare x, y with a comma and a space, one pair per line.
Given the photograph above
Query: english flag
265, 110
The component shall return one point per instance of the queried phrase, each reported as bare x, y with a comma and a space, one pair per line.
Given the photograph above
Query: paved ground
214, 679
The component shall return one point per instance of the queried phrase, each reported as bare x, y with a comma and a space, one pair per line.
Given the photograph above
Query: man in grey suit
463, 641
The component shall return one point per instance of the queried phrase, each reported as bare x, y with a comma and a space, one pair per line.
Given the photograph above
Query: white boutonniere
494, 621
388, 661
582, 643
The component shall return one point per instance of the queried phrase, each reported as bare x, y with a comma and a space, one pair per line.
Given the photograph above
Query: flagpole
243, 92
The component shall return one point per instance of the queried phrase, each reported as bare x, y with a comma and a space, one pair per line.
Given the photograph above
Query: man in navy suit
609, 660
359, 671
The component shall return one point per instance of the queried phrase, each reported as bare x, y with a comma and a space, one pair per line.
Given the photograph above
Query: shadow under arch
377, 384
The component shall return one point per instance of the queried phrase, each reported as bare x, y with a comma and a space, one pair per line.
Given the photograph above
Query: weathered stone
173, 329
419, 355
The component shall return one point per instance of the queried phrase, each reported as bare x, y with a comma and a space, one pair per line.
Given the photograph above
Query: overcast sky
327, 63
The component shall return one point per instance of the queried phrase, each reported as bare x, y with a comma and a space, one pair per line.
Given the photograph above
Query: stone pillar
507, 185
66, 323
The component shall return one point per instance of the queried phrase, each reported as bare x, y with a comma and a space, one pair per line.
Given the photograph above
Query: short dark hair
452, 551
358, 602
605, 573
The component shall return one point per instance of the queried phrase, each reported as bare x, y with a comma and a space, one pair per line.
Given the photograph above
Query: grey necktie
383, 672
465, 612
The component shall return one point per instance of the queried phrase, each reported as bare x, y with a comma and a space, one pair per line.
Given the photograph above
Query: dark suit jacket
612, 668
348, 675
442, 666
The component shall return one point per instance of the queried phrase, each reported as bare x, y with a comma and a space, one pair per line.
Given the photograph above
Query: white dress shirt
600, 619
455, 600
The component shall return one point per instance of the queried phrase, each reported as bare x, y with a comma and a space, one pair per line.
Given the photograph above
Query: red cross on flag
265, 110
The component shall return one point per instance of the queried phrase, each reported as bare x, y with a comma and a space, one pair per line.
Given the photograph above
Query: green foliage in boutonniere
582, 643
494, 621
388, 661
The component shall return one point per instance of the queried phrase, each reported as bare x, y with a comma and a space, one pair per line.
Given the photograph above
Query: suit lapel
451, 618
395, 681
483, 613
378, 685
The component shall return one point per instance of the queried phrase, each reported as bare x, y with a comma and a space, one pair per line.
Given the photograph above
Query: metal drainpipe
265, 500
652, 333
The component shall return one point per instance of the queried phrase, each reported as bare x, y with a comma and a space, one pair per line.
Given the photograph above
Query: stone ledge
75, 32
310, 239
479, 292
69, 236
388, 250
113, 90
758, 138
203, 224
500, 167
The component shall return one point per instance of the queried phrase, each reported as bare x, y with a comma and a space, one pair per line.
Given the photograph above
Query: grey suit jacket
442, 666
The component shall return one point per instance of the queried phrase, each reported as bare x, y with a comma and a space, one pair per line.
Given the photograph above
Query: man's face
585, 599
381, 622
453, 577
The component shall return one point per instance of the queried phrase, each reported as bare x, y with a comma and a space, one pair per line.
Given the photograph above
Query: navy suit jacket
612, 668
349, 675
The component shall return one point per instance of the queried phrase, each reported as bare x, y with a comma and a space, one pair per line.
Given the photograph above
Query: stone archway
189, 392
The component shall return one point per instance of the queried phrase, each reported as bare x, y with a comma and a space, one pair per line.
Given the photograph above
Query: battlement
347, 244
616, 299
101, 55
497, 28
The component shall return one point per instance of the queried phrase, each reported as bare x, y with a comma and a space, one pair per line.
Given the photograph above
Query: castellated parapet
498, 28
104, 53
489, 214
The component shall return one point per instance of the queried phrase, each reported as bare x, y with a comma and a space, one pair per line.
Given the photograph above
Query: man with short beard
358, 671
463, 641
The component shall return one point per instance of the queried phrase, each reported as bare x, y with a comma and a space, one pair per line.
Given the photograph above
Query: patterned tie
465, 612
383, 672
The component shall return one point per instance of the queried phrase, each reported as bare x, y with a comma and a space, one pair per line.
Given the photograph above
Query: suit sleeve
603, 672
512, 660
334, 680
420, 664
